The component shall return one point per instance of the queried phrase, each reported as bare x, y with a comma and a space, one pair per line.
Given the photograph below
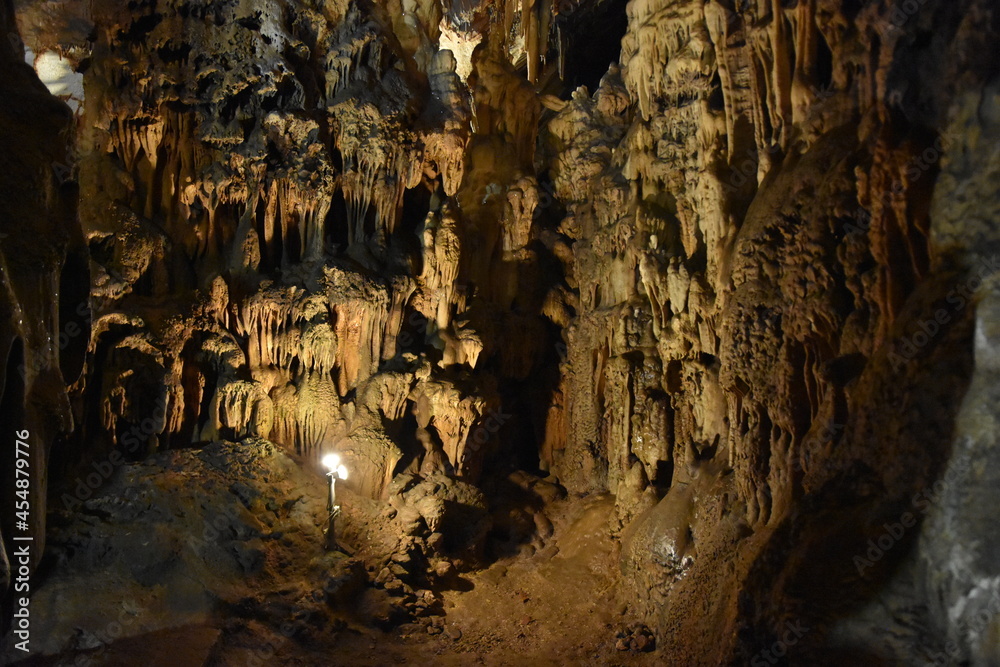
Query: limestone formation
43, 290
732, 262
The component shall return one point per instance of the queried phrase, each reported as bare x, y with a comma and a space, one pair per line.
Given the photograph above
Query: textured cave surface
642, 328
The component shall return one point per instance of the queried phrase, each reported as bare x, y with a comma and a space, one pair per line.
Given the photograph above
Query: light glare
342, 472
331, 461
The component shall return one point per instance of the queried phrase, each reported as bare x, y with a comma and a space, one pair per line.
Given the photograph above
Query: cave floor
125, 558
543, 610
556, 607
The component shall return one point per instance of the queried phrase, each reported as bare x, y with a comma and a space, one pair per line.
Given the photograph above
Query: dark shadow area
335, 225
74, 314
810, 569
512, 508
592, 41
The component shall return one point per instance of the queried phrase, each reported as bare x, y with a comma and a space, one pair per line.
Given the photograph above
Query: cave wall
308, 227
43, 291
776, 321
742, 283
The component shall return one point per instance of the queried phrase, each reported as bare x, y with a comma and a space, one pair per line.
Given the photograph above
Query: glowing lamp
337, 471
331, 462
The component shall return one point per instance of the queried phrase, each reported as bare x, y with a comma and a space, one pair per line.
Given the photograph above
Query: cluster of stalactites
246, 180
195, 169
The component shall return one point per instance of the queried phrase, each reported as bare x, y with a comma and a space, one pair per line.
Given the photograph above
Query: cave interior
551, 332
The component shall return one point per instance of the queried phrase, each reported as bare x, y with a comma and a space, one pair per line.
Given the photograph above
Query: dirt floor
554, 608
127, 585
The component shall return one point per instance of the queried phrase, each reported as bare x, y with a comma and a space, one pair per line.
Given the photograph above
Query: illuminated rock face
774, 339
304, 223
732, 284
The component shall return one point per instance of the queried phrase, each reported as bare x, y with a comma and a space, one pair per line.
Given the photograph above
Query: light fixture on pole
337, 471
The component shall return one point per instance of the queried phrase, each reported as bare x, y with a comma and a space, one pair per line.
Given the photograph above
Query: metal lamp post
336, 471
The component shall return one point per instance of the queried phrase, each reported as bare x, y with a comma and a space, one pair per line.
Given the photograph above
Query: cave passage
549, 332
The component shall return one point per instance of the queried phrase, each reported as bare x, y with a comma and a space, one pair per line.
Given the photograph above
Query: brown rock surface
719, 275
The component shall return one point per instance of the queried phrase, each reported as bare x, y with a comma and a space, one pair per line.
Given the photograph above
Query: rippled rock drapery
743, 283
43, 289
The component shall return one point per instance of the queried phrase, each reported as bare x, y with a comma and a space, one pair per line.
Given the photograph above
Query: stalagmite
704, 287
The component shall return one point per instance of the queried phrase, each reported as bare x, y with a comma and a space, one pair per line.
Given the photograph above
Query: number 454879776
22, 465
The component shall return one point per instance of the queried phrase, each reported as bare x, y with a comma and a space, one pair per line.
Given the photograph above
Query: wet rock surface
701, 348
